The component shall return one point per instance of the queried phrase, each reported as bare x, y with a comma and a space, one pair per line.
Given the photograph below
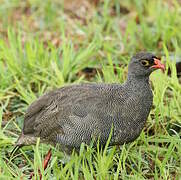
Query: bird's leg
45, 163
47, 159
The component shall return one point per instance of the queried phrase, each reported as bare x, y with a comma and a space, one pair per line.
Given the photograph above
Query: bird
76, 114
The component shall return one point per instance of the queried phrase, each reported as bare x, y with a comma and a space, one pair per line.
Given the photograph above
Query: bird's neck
138, 82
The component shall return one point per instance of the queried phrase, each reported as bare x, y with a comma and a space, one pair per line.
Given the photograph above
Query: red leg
45, 164
47, 159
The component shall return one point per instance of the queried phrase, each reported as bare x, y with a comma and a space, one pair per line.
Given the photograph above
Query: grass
44, 46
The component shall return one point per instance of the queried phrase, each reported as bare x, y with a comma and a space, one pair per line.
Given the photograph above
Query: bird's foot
45, 164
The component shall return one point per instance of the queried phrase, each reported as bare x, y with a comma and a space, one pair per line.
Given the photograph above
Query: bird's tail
15, 149
23, 140
19, 143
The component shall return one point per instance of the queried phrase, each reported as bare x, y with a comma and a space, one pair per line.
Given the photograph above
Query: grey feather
75, 114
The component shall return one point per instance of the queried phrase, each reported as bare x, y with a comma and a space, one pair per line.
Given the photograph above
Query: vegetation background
47, 44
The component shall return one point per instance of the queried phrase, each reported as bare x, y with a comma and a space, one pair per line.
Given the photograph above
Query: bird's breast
131, 117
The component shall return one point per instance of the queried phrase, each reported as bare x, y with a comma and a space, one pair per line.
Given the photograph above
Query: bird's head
143, 64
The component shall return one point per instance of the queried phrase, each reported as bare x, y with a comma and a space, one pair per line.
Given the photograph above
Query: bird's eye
145, 63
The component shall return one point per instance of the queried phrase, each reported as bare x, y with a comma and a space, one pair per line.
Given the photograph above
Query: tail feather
19, 143
15, 149
22, 141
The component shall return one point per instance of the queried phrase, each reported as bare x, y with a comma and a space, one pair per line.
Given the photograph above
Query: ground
47, 44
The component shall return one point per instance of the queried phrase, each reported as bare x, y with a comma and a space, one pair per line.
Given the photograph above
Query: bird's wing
66, 109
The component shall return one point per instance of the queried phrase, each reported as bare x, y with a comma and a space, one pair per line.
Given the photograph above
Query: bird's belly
126, 134
127, 125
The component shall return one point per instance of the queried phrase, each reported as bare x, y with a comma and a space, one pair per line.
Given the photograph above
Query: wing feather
46, 112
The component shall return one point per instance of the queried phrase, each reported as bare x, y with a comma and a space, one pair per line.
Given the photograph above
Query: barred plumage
77, 113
